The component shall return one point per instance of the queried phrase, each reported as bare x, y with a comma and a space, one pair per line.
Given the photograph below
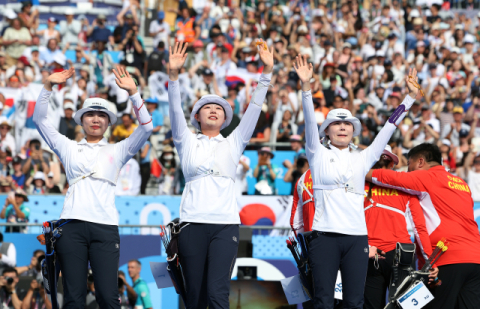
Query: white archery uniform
92, 198
209, 165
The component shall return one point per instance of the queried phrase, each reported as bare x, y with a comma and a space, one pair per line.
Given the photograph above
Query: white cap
455, 50
69, 105
69, 11
302, 28
446, 142
96, 105
444, 26
69, 96
478, 15
414, 13
212, 99
50, 174
388, 151
318, 12
10, 14
380, 53
60, 58
341, 114
39, 175
459, 27
469, 39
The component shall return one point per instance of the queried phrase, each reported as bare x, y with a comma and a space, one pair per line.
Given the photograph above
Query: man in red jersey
448, 209
386, 211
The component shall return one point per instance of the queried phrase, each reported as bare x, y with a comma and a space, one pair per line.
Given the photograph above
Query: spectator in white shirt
129, 179
451, 131
70, 28
160, 30
8, 255
6, 139
241, 184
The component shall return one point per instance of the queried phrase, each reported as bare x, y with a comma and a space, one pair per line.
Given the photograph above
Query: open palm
266, 55
125, 81
412, 82
178, 55
61, 77
303, 68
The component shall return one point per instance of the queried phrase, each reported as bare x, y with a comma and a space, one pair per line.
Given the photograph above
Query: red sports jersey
386, 213
303, 208
447, 205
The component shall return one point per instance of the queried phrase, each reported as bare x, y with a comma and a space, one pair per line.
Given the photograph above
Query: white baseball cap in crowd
446, 142
341, 114
96, 105
69, 11
39, 176
61, 59
212, 99
69, 105
455, 50
388, 152
10, 14
414, 13
469, 39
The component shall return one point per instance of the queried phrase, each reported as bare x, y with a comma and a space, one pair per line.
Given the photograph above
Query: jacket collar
102, 142
219, 137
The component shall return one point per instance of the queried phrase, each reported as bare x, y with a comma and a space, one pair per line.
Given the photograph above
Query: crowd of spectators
360, 51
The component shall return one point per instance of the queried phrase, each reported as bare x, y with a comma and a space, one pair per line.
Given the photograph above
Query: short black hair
161, 44
38, 251
9, 270
136, 261
430, 152
35, 142
1, 237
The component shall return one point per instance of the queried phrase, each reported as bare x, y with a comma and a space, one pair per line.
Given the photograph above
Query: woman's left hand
125, 81
266, 55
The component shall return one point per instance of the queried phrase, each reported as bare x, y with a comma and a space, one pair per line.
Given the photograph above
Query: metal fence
137, 229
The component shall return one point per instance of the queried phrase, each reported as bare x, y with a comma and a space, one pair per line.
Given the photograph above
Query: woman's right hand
303, 68
178, 55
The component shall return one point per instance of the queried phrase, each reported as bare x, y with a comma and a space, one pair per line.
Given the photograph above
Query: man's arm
11, 257
410, 182
419, 226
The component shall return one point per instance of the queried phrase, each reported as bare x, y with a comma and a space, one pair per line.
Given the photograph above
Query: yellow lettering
374, 191
308, 185
394, 192
450, 184
385, 191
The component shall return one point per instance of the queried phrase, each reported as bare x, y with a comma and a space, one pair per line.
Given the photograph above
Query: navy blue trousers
207, 254
328, 253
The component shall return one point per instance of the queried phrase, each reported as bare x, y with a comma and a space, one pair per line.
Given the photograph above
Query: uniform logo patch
234, 239
143, 294
332, 160
117, 246
365, 250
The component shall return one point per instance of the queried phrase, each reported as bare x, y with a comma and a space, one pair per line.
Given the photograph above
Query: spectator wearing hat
157, 117
67, 124
428, 119
6, 138
98, 31
15, 211
51, 186
451, 130
206, 84
15, 40
70, 28
36, 159
127, 18
160, 30
264, 173
18, 176
199, 55
125, 129
36, 184
50, 32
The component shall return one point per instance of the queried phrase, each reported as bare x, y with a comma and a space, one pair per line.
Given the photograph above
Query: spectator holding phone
36, 158
15, 210
264, 172
8, 294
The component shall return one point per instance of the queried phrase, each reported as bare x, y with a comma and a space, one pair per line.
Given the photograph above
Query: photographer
35, 264
8, 294
126, 302
35, 158
37, 298
133, 49
15, 210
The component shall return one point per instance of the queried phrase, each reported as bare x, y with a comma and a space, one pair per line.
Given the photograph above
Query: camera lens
120, 282
9, 280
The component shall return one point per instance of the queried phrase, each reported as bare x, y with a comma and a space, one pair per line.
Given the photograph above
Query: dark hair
38, 251
430, 152
161, 44
1, 237
34, 142
136, 261
9, 270
382, 163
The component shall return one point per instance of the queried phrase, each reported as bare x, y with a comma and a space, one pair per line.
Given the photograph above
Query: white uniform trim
384, 207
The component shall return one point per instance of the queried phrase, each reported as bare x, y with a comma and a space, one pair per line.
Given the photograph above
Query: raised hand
59, 78
178, 55
125, 81
303, 68
266, 55
412, 82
